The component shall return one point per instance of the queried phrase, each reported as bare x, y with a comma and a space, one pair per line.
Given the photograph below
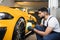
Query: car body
8, 20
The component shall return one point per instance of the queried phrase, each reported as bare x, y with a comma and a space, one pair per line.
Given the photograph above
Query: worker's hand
30, 28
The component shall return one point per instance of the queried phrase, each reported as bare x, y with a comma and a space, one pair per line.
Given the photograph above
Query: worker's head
43, 12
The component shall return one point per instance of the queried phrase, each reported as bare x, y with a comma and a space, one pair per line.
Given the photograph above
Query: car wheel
19, 31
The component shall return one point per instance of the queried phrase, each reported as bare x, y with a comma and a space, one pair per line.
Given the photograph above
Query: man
49, 28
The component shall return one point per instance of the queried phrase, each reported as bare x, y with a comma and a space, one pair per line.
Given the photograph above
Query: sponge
28, 24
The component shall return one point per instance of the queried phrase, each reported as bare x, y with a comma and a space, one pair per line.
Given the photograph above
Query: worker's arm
41, 25
47, 31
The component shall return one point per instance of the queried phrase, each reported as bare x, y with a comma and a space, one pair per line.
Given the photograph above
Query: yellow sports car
13, 23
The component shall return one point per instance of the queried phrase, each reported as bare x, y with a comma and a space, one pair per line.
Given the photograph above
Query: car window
4, 15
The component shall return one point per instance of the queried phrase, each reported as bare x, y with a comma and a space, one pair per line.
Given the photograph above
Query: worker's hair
43, 9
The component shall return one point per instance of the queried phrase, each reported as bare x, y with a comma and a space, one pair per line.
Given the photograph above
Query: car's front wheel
19, 31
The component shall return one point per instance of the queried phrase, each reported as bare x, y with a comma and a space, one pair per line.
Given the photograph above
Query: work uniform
50, 22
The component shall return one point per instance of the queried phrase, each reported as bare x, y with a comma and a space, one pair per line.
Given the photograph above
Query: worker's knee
46, 38
38, 27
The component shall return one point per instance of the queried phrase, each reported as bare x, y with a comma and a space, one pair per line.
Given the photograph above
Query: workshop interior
17, 15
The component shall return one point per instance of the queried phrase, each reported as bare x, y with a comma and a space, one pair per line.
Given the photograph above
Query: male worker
49, 28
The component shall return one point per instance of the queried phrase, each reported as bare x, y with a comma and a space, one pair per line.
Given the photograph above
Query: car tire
19, 31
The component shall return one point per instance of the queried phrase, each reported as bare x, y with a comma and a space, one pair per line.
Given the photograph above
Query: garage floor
31, 37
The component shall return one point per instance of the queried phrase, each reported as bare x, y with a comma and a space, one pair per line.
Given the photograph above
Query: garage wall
7, 2
58, 14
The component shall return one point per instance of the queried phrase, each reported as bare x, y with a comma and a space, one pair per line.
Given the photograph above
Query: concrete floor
31, 37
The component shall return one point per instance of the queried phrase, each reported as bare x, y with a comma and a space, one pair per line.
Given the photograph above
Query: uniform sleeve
52, 22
